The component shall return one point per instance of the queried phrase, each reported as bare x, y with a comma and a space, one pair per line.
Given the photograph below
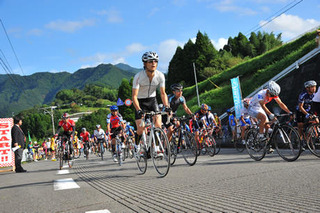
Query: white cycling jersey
146, 88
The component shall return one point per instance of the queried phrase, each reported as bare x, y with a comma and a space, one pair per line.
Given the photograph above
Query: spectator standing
45, 149
36, 150
233, 125
18, 140
48, 143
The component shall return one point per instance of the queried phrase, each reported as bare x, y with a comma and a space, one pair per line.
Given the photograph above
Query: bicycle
86, 149
285, 138
313, 137
65, 152
101, 145
119, 150
183, 142
218, 141
154, 143
206, 144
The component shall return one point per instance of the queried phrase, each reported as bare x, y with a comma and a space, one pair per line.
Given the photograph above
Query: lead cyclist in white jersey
145, 84
257, 107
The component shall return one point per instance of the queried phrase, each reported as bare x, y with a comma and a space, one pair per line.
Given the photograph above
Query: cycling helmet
83, 129
209, 108
75, 132
175, 87
311, 83
228, 111
204, 106
246, 102
124, 121
65, 115
128, 123
98, 126
274, 88
114, 107
160, 106
150, 56
215, 114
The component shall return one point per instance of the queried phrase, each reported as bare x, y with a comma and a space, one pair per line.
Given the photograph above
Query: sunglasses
151, 61
114, 110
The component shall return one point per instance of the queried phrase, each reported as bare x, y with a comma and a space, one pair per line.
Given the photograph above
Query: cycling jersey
68, 126
128, 132
262, 95
114, 120
99, 134
175, 102
146, 88
231, 118
85, 136
199, 116
306, 100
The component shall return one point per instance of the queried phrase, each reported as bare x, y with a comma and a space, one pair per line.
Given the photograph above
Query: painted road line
63, 172
67, 183
65, 166
99, 211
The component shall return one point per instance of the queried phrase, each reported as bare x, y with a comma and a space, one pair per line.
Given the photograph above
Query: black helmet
175, 87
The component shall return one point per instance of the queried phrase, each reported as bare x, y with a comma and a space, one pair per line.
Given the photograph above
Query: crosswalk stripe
99, 211
62, 172
67, 183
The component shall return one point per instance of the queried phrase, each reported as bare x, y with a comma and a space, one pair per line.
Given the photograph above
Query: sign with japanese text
6, 154
237, 96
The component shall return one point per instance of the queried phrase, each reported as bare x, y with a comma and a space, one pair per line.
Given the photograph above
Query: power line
274, 16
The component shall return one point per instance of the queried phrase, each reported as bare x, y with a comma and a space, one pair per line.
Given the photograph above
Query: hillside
24, 92
252, 73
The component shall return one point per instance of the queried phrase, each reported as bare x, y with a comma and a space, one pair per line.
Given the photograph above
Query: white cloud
166, 50
135, 48
220, 43
69, 26
153, 11
230, 6
113, 15
289, 25
35, 32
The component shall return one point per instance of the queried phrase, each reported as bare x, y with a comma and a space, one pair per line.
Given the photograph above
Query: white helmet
150, 56
311, 83
274, 88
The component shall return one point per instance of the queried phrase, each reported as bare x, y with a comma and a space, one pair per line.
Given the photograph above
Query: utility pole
195, 78
50, 113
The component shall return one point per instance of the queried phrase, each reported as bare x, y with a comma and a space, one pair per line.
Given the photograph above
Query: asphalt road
227, 182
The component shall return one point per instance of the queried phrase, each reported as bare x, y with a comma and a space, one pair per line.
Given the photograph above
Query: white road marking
99, 211
62, 172
65, 166
67, 183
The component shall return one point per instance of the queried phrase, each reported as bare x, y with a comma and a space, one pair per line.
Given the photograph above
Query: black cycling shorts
301, 118
147, 105
115, 131
316, 108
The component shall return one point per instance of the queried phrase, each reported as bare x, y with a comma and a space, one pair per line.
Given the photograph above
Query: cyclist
219, 127
130, 131
244, 118
68, 127
304, 110
232, 124
211, 122
144, 88
85, 137
175, 100
257, 107
114, 127
76, 143
99, 137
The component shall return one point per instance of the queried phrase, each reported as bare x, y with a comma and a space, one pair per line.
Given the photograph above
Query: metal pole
195, 78
52, 119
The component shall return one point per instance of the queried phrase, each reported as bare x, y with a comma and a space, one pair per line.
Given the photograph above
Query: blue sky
66, 35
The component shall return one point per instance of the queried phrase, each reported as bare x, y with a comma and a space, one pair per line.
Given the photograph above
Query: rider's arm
135, 99
164, 96
302, 109
186, 109
282, 105
263, 105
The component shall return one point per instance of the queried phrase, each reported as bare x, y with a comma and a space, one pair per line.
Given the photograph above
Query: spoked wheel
210, 145
256, 148
131, 150
86, 152
101, 150
60, 159
189, 148
70, 158
239, 145
313, 139
76, 156
174, 153
160, 152
141, 159
218, 145
124, 153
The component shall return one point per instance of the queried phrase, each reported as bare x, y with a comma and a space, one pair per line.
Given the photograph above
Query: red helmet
65, 115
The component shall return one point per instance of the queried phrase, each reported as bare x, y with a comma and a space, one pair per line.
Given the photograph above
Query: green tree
125, 92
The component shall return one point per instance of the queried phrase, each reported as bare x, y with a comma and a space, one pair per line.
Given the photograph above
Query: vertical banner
237, 97
6, 154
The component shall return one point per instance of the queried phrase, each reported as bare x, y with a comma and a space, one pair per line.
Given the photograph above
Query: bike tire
124, 153
218, 145
173, 148
256, 149
313, 139
69, 158
210, 145
287, 142
239, 145
60, 159
141, 159
161, 159
189, 149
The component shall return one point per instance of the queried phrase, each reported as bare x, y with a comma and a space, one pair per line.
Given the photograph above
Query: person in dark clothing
18, 140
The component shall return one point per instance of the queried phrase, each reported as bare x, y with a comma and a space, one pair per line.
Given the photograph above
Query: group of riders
145, 84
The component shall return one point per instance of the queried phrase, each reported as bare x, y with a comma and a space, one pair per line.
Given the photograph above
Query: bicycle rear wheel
101, 150
60, 159
160, 152
69, 157
141, 159
174, 153
218, 145
313, 139
287, 142
210, 145
256, 149
189, 148
239, 145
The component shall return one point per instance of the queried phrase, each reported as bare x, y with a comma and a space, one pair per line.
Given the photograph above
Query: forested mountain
22, 92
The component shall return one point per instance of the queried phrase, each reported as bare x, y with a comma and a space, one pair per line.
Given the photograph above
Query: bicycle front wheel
210, 145
160, 152
141, 159
174, 152
313, 139
239, 145
287, 142
256, 149
60, 159
189, 148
